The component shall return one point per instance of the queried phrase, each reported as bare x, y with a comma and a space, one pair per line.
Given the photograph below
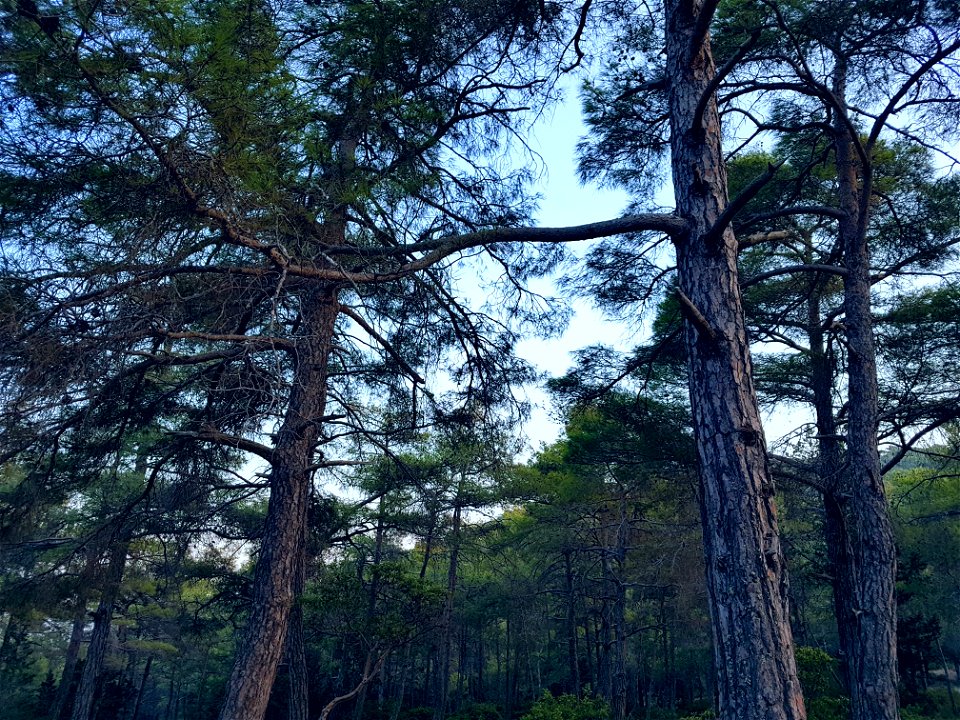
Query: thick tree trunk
746, 577
282, 547
102, 620
867, 586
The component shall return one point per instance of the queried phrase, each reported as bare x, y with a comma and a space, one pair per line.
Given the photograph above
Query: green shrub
567, 707
828, 708
818, 673
705, 715
478, 711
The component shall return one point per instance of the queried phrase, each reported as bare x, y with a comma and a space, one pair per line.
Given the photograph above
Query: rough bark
746, 577
868, 611
282, 547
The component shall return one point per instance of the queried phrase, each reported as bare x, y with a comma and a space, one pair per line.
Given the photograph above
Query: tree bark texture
283, 544
746, 577
868, 619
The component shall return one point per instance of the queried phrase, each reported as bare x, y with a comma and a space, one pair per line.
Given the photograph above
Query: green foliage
820, 679
478, 711
705, 715
828, 708
567, 707
818, 672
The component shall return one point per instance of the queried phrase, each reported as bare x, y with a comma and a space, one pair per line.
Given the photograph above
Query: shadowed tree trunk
298, 707
83, 705
443, 665
573, 652
746, 577
282, 547
866, 567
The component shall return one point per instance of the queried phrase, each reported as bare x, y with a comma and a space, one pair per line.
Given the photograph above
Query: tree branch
693, 314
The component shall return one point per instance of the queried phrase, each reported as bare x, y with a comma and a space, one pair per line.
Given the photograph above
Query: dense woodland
263, 269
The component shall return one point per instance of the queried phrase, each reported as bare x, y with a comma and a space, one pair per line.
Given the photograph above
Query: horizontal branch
212, 435
650, 222
791, 269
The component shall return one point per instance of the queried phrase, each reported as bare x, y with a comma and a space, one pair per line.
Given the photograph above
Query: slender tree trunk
374, 590
618, 617
588, 656
746, 577
573, 653
829, 467
868, 577
508, 679
443, 666
141, 688
298, 707
282, 547
70, 659
102, 620
401, 683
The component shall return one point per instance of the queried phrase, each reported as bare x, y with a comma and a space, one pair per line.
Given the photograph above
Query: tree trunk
358, 708
298, 702
70, 659
618, 610
573, 663
867, 579
443, 666
102, 619
746, 577
141, 688
282, 547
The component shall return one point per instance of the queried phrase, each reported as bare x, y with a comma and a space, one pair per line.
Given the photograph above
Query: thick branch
209, 434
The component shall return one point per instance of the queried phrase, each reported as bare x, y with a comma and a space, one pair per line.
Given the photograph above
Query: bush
705, 715
567, 707
828, 708
478, 711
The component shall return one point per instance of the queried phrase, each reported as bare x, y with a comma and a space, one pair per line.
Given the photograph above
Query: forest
264, 269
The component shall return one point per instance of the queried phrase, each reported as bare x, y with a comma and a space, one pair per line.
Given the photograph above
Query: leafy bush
828, 708
819, 678
705, 715
818, 673
567, 707
478, 711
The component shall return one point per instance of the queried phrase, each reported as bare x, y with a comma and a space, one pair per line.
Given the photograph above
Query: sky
566, 202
